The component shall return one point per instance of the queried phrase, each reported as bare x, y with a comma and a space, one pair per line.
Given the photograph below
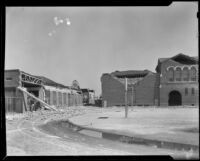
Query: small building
88, 96
41, 87
174, 83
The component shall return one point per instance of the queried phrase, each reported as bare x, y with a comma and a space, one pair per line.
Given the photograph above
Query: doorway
175, 98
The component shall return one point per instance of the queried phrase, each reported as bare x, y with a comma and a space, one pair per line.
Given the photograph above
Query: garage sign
30, 79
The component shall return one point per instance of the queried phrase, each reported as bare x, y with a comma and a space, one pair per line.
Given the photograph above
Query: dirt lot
38, 133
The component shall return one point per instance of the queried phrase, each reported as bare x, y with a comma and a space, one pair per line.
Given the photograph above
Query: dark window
192, 91
186, 91
185, 74
8, 79
193, 74
171, 74
178, 74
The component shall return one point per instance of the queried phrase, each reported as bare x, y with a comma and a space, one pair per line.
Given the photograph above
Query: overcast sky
82, 43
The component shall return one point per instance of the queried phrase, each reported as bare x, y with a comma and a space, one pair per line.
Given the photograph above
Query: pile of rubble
62, 113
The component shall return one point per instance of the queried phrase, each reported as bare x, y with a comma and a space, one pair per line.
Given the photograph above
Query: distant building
45, 89
88, 96
175, 83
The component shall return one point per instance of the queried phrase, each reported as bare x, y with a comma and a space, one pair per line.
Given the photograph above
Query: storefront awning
30, 79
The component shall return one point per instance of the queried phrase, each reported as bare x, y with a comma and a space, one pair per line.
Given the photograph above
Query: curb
115, 136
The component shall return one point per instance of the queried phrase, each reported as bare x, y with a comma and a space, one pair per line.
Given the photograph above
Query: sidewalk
177, 125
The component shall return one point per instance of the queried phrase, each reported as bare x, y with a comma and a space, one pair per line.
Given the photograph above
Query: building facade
138, 82
178, 80
174, 83
88, 96
43, 88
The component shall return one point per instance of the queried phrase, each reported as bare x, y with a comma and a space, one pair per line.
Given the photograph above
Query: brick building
178, 80
174, 83
43, 88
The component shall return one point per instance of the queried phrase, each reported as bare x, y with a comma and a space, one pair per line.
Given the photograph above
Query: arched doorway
175, 98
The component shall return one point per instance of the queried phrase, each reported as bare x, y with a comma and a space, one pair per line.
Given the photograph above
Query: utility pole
126, 106
132, 97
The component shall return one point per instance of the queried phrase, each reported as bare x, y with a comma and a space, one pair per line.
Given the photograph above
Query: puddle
132, 139
91, 133
102, 117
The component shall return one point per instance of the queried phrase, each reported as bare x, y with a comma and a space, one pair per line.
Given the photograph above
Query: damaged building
88, 96
113, 87
44, 89
174, 83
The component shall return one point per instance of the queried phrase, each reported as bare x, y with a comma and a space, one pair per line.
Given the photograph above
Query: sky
82, 43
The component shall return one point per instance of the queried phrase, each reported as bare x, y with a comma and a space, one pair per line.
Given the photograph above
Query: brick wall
112, 91
164, 66
166, 87
145, 90
157, 90
188, 99
131, 96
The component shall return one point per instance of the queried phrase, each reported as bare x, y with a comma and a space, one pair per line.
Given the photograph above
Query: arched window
178, 74
193, 72
185, 74
170, 74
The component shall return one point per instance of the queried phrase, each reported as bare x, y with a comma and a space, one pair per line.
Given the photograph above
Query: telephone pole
132, 97
126, 106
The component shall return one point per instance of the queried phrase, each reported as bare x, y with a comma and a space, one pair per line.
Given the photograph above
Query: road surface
41, 133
